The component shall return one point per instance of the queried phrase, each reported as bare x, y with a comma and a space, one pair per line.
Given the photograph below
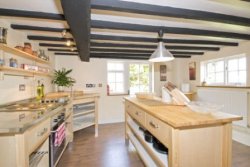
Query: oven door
57, 143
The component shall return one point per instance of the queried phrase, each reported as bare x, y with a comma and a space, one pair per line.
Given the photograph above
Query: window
124, 77
226, 71
215, 72
237, 73
116, 77
138, 78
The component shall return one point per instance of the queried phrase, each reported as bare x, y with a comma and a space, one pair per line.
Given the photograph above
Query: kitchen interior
124, 83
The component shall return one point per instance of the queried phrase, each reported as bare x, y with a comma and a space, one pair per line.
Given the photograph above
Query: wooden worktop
181, 116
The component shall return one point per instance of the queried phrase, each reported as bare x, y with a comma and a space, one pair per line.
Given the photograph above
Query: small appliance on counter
3, 35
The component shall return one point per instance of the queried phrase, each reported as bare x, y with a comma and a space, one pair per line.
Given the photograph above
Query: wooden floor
109, 150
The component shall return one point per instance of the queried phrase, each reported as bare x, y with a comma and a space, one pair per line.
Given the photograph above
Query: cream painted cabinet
23, 150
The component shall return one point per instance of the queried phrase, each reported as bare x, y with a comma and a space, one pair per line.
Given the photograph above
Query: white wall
156, 76
9, 87
111, 108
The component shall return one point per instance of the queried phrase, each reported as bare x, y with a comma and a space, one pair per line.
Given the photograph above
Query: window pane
119, 87
119, 77
119, 67
111, 66
112, 87
233, 77
219, 77
219, 66
242, 63
211, 78
242, 77
111, 77
232, 64
210, 67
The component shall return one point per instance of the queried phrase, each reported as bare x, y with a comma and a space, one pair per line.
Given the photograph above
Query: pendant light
161, 54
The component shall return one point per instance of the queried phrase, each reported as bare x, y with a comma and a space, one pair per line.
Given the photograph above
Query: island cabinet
193, 139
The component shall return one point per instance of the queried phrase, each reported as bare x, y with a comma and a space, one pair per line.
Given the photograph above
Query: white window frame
203, 67
140, 63
117, 71
126, 75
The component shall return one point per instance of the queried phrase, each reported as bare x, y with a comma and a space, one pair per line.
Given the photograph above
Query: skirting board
241, 134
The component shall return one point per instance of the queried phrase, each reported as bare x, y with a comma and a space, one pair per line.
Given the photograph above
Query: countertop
181, 116
15, 119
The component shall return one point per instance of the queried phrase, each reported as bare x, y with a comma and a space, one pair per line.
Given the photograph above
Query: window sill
214, 86
118, 94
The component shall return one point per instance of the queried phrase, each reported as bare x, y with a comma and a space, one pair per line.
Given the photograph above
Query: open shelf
84, 113
23, 54
159, 159
22, 72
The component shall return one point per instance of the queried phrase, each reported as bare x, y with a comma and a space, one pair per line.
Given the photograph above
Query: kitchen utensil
148, 136
3, 35
159, 147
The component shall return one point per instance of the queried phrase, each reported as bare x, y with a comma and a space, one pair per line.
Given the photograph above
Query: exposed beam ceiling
127, 27
132, 7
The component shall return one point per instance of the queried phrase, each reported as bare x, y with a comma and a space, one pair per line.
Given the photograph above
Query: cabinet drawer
159, 129
135, 112
37, 135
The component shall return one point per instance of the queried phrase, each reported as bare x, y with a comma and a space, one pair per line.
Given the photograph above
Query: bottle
42, 90
39, 91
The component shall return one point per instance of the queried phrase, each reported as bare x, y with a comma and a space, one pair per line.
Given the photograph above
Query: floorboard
109, 150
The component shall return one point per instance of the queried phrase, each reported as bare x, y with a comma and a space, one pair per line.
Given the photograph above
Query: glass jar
2, 62
3, 35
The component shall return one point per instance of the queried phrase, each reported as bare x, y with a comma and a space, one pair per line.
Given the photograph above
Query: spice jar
3, 35
27, 48
13, 62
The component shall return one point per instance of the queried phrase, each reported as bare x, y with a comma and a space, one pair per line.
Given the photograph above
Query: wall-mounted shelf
22, 72
23, 54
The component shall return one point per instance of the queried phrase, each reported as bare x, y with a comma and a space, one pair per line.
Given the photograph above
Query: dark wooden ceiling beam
123, 51
147, 9
48, 38
143, 28
134, 46
35, 28
172, 30
77, 14
96, 44
30, 14
135, 39
143, 39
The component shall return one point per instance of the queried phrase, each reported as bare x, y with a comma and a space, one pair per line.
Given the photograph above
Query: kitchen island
193, 139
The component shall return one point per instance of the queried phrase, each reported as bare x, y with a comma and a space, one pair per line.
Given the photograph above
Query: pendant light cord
160, 35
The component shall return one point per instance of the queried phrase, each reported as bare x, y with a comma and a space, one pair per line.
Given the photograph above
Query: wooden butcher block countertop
181, 116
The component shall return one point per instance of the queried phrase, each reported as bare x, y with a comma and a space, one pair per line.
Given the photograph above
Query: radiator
234, 101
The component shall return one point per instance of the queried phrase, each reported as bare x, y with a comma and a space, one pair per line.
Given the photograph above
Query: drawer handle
152, 124
42, 132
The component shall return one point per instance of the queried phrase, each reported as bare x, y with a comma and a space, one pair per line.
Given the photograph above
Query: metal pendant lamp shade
161, 54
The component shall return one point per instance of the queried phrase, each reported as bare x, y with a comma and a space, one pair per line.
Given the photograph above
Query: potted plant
61, 79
